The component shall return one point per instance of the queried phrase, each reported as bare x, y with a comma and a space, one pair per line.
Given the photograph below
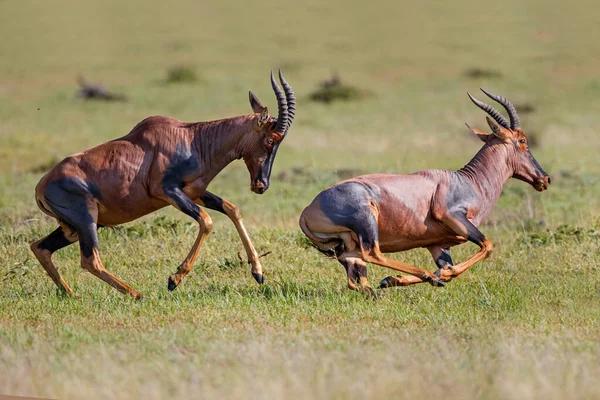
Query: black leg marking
385, 282
212, 202
184, 203
444, 259
54, 241
360, 271
88, 239
353, 270
474, 234
344, 264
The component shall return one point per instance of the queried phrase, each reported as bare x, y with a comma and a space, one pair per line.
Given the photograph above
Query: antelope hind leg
356, 271
45, 247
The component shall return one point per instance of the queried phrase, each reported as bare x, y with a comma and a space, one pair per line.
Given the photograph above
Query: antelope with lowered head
161, 162
359, 219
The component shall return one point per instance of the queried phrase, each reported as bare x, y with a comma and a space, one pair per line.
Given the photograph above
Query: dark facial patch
536, 165
348, 205
264, 171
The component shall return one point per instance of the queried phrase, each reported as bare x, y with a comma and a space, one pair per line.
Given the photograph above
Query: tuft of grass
181, 74
482, 73
563, 233
333, 89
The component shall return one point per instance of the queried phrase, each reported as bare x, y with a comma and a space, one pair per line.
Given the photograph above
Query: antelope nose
549, 180
260, 187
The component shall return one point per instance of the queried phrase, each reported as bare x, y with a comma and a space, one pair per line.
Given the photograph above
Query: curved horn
515, 123
291, 101
282, 113
490, 110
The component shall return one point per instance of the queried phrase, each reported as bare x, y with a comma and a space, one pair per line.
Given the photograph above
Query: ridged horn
282, 108
515, 123
291, 101
490, 110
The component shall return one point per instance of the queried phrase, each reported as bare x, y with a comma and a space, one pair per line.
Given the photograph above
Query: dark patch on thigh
67, 199
183, 163
73, 186
348, 205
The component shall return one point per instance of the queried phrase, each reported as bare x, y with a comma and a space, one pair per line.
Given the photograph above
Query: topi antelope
161, 162
359, 219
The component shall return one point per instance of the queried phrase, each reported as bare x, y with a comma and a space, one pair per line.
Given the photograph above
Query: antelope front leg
441, 257
463, 227
214, 202
183, 203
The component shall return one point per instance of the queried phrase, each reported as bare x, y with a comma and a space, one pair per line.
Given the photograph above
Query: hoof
385, 282
172, 285
258, 277
437, 282
138, 296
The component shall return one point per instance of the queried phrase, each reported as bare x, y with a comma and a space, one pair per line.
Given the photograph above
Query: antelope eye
270, 142
522, 141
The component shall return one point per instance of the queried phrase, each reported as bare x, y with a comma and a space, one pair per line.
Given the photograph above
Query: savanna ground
522, 324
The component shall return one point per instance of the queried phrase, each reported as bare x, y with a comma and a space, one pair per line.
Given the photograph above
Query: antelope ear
257, 107
263, 118
484, 137
498, 130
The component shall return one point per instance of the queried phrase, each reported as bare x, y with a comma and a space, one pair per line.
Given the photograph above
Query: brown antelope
359, 219
161, 162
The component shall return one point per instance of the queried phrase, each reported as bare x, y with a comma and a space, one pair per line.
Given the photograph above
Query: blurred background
405, 66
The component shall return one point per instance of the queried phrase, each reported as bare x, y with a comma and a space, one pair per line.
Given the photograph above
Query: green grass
522, 324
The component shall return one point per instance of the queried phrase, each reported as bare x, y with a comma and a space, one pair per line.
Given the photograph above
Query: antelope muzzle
258, 186
542, 183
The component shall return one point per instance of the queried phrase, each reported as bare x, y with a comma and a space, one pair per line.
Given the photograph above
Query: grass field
523, 324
